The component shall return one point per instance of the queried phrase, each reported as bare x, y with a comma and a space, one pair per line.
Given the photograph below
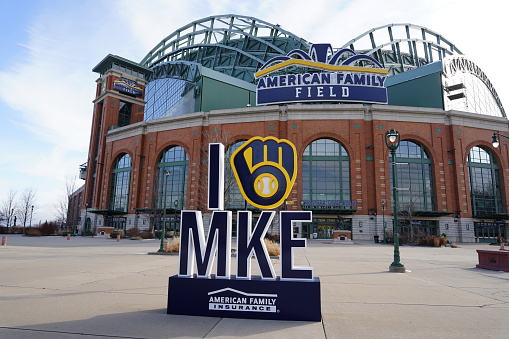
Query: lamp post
9, 220
383, 217
176, 203
85, 224
31, 214
392, 139
163, 231
495, 144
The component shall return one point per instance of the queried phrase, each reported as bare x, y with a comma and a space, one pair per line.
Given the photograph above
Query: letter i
216, 177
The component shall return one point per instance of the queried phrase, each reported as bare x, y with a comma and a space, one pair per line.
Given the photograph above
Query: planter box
493, 260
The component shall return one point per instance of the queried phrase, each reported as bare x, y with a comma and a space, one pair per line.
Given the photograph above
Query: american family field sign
321, 75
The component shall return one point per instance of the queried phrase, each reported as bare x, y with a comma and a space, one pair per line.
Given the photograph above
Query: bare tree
407, 212
156, 210
231, 191
8, 208
26, 206
62, 205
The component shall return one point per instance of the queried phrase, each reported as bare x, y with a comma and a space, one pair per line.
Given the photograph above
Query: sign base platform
248, 299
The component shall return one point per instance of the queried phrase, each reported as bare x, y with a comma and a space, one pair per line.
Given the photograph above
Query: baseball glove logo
265, 169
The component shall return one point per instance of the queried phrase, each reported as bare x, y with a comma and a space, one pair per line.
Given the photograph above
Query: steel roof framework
231, 44
402, 47
239, 45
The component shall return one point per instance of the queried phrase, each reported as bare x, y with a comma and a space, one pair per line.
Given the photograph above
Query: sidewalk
52, 287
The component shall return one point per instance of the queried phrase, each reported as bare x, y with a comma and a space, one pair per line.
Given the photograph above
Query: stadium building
205, 82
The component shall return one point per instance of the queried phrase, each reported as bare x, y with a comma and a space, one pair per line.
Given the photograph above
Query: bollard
118, 237
4, 240
68, 236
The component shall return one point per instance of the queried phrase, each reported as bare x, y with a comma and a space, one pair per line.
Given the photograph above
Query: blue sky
49, 47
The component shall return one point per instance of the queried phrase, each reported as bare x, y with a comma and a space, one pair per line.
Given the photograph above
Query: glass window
414, 178
168, 97
172, 178
326, 175
124, 114
484, 183
120, 183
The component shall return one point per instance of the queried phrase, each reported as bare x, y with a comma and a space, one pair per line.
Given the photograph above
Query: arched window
484, 183
326, 175
120, 183
414, 178
233, 198
172, 178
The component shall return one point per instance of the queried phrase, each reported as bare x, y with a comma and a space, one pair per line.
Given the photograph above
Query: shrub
16, 230
272, 247
173, 245
136, 238
113, 235
33, 232
272, 237
432, 241
48, 228
146, 235
443, 241
133, 232
422, 241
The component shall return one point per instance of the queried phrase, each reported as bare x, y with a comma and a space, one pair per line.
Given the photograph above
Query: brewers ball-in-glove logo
265, 169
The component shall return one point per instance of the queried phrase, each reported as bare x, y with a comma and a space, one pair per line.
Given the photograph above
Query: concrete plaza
51, 287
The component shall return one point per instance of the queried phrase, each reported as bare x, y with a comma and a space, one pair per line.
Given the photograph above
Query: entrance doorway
323, 227
488, 232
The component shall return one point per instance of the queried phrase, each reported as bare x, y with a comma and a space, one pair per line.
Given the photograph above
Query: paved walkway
55, 288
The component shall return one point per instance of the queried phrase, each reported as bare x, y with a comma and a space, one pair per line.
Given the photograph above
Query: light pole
166, 173
495, 144
85, 225
176, 203
392, 139
383, 217
31, 214
9, 220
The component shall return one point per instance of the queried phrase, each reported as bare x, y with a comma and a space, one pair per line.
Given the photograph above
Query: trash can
377, 239
315, 235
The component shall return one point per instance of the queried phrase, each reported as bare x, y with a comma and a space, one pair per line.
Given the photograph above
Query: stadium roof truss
402, 47
239, 45
235, 45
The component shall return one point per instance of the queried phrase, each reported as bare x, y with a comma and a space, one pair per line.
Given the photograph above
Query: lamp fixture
494, 140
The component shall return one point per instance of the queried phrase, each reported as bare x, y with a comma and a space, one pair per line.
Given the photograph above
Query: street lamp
9, 220
392, 139
176, 203
495, 144
85, 225
494, 139
31, 214
163, 231
383, 217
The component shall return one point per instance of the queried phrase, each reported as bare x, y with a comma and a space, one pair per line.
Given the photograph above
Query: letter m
196, 251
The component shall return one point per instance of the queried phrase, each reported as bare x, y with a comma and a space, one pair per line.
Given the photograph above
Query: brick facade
447, 136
